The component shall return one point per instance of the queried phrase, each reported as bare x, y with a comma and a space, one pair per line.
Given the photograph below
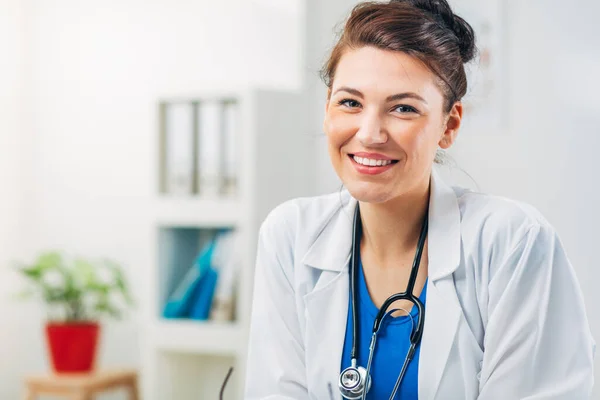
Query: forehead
369, 69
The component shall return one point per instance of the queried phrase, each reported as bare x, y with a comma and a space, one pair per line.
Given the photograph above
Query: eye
350, 103
404, 109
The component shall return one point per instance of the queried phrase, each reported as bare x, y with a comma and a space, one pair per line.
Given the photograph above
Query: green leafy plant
76, 290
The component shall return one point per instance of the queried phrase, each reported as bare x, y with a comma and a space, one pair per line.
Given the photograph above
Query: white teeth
372, 162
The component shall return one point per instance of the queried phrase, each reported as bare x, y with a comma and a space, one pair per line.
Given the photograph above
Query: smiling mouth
371, 162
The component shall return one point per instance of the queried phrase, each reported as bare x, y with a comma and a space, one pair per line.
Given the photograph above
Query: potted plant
78, 293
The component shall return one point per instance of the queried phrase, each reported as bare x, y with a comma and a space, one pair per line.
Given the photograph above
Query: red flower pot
72, 346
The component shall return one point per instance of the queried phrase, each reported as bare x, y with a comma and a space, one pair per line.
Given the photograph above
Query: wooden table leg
132, 388
29, 394
82, 396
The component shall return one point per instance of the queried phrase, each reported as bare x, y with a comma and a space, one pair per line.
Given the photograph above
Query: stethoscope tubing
417, 333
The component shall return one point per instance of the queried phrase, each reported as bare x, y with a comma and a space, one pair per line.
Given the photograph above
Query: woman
489, 305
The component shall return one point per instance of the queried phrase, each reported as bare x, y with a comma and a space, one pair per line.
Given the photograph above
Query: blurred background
106, 112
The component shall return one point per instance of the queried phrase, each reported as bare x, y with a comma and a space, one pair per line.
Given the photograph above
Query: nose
371, 131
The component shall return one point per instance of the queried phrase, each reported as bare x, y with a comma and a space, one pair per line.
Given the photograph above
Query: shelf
197, 337
197, 212
188, 359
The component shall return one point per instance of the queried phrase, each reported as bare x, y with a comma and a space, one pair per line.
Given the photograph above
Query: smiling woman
341, 302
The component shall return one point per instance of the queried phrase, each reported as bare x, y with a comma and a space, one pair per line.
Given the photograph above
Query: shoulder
303, 215
495, 227
498, 213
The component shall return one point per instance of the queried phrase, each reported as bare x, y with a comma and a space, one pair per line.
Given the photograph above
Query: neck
392, 228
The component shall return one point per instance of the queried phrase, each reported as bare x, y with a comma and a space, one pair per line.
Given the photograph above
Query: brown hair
425, 29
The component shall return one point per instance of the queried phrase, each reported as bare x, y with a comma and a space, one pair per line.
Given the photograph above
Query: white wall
92, 75
10, 109
548, 156
11, 100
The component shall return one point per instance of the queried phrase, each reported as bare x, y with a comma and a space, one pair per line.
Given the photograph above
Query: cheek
339, 129
408, 134
417, 140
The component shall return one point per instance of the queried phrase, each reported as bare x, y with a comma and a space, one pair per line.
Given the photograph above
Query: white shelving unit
197, 212
187, 359
198, 337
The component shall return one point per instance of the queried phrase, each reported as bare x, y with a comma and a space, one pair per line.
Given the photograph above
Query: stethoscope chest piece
353, 382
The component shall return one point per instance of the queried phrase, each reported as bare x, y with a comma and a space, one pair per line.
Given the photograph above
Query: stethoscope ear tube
354, 261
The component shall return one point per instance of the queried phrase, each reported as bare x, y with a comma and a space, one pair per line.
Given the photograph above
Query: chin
370, 192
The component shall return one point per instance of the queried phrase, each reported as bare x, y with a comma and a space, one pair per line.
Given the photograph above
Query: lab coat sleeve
275, 365
537, 343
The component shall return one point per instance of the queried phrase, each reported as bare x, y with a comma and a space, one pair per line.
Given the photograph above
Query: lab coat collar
331, 248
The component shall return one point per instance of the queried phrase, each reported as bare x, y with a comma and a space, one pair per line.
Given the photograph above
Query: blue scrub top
393, 341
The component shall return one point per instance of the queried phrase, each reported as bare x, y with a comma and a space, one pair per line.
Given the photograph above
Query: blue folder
203, 295
183, 300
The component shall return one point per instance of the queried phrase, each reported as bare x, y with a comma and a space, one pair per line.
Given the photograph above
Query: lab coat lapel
327, 310
442, 312
327, 304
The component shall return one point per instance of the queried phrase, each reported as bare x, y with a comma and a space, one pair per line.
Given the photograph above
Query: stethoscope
355, 381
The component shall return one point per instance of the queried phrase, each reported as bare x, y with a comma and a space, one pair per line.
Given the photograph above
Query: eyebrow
398, 96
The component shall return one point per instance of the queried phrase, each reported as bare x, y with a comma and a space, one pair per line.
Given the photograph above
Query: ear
451, 125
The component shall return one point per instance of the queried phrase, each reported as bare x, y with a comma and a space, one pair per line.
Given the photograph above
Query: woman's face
384, 122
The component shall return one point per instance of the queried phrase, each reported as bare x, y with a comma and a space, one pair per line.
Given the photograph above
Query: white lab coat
505, 318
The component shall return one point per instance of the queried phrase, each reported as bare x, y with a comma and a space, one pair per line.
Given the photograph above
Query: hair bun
466, 38
442, 12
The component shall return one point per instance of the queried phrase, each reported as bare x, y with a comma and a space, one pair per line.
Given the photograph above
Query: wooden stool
81, 386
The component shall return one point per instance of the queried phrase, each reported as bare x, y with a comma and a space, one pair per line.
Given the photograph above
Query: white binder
230, 148
209, 147
179, 137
